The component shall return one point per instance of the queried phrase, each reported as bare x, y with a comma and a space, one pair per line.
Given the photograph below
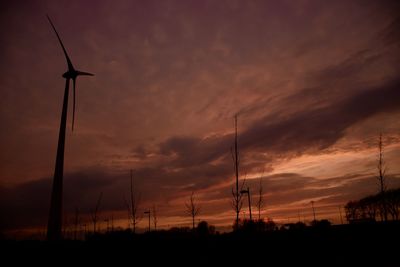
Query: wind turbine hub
70, 75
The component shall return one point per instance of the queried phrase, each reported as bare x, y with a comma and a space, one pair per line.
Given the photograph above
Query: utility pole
148, 212
248, 198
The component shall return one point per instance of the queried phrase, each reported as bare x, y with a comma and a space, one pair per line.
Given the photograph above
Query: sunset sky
313, 84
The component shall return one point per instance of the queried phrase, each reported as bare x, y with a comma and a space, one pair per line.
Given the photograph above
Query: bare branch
236, 195
94, 214
192, 208
133, 205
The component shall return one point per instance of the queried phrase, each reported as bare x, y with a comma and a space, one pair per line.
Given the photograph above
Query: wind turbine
55, 216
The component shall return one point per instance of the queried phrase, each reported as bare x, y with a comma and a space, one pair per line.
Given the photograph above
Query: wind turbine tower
54, 225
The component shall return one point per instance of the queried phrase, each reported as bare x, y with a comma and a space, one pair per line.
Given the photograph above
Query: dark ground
346, 245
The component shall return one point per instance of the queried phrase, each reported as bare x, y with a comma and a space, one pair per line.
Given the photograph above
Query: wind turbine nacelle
70, 75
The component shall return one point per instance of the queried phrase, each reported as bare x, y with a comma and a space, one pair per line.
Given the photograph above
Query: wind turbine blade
70, 67
84, 73
73, 107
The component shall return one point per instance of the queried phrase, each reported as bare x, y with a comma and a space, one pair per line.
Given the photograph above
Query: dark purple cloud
311, 130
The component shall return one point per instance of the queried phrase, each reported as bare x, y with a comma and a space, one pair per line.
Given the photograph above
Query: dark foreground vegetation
382, 206
364, 244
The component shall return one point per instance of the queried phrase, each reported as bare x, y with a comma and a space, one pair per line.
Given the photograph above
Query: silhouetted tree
351, 209
236, 195
381, 167
381, 177
133, 206
260, 200
180, 230
368, 208
204, 229
192, 208
248, 225
298, 226
393, 203
321, 223
95, 213
270, 225
237, 202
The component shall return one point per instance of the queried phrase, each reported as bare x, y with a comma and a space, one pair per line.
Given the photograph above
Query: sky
313, 83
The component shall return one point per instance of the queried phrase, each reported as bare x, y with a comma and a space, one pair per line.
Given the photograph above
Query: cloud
321, 127
27, 204
311, 130
190, 151
391, 34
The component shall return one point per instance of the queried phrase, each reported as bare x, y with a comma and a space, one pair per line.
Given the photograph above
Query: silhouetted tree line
249, 226
246, 225
374, 207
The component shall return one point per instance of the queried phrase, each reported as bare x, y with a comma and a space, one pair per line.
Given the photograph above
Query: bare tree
381, 176
260, 200
133, 206
154, 210
393, 203
236, 195
369, 207
381, 167
192, 208
95, 213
